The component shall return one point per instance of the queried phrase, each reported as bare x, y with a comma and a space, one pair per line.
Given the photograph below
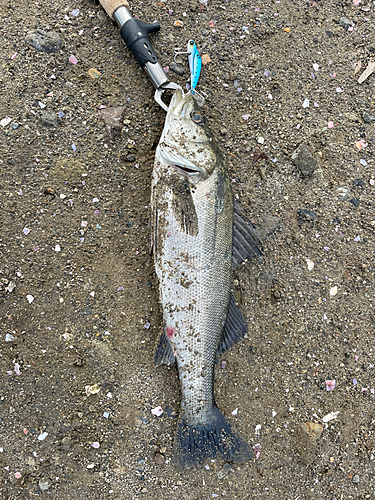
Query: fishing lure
195, 64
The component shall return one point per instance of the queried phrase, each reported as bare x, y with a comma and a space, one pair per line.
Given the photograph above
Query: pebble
359, 182
346, 23
43, 41
342, 193
159, 458
112, 117
306, 215
355, 202
44, 485
224, 471
93, 73
14, 125
48, 119
9, 337
356, 479
177, 68
367, 118
303, 160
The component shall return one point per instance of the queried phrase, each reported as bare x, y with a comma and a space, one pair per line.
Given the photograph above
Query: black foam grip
134, 33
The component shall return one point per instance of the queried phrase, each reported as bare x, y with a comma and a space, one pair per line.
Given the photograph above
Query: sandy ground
79, 307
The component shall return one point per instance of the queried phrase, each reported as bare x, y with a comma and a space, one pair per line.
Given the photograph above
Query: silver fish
197, 238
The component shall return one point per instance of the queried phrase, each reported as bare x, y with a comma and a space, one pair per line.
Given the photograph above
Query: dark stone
355, 202
177, 68
43, 41
359, 182
48, 119
304, 161
306, 216
130, 158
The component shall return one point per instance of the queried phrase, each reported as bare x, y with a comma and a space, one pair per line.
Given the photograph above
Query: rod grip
110, 6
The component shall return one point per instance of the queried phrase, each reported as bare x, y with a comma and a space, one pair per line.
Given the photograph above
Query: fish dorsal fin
184, 209
164, 353
245, 242
234, 328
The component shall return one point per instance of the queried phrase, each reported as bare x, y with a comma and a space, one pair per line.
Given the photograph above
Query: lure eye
191, 42
197, 118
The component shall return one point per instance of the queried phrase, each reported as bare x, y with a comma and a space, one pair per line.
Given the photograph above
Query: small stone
205, 59
177, 68
223, 131
178, 23
367, 118
44, 485
14, 125
43, 41
112, 117
9, 337
314, 431
159, 458
346, 23
131, 158
224, 471
304, 161
306, 215
5, 121
48, 119
359, 182
356, 479
354, 201
342, 193
93, 73
42, 436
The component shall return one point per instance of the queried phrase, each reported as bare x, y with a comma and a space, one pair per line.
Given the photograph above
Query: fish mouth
179, 163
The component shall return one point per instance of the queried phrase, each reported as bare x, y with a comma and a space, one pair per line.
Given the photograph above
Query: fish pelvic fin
234, 329
164, 353
245, 242
194, 444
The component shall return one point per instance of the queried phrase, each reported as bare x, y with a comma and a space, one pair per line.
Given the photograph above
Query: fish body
192, 227
195, 64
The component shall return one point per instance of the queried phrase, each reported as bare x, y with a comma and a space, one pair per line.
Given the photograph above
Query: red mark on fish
170, 331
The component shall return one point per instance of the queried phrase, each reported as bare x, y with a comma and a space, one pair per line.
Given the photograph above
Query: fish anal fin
245, 242
235, 327
164, 353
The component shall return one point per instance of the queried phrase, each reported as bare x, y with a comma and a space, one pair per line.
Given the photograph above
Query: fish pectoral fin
234, 328
184, 208
245, 242
164, 353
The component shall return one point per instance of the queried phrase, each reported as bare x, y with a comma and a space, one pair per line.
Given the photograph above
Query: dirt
79, 298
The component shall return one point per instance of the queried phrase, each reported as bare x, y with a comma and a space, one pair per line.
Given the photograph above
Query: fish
198, 235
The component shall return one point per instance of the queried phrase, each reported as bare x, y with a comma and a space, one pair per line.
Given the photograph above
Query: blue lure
195, 65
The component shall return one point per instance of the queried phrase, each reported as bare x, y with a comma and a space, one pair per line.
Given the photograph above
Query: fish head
187, 145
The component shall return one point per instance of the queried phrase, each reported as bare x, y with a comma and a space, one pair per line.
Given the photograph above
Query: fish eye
191, 42
197, 118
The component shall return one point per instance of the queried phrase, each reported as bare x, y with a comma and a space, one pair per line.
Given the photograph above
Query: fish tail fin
195, 443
